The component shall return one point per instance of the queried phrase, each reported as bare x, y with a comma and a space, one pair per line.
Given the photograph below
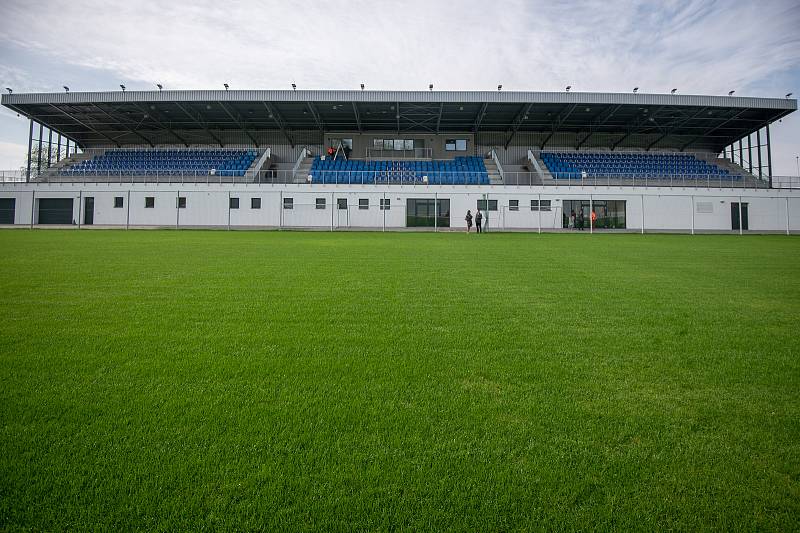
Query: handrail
261, 160
535, 163
305, 152
493, 153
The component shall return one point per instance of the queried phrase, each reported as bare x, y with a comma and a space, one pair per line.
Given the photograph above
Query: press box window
321, 203
492, 205
513, 205
341, 203
386, 204
181, 202
118, 202
288, 203
363, 203
455, 145
255, 203
149, 202
234, 203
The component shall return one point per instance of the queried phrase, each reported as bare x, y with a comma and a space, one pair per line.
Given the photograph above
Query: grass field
163, 380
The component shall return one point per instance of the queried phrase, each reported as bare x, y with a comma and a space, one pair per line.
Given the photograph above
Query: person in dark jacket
580, 220
468, 218
478, 220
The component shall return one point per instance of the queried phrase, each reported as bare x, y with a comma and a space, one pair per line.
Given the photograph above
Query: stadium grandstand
397, 159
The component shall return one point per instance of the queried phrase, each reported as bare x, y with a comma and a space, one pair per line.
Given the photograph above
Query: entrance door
88, 210
735, 216
342, 213
7, 210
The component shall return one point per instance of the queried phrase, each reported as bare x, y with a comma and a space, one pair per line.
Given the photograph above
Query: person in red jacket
594, 218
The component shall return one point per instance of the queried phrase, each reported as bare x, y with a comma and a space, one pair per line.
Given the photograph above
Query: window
492, 205
363, 203
341, 203
386, 204
321, 203
388, 144
255, 203
513, 205
408, 144
233, 203
455, 145
544, 205
398, 145
377, 143
181, 202
118, 202
288, 203
149, 202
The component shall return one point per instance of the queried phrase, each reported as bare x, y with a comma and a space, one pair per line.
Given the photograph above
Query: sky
697, 46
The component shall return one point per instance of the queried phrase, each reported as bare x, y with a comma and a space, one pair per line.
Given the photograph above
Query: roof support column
750, 152
758, 142
741, 154
30, 147
39, 158
769, 158
58, 149
49, 148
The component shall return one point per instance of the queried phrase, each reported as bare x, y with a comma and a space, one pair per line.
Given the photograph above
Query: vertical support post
769, 158
741, 154
39, 158
435, 212
30, 147
67, 152
33, 201
58, 149
758, 142
80, 207
280, 211
49, 147
641, 198
741, 222
787, 215
692, 197
540, 212
178, 209
750, 152
384, 210
128, 214
333, 207
229, 210
591, 210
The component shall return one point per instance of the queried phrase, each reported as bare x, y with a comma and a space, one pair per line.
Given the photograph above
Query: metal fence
401, 177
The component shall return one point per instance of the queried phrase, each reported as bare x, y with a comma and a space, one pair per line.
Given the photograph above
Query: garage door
55, 211
7, 208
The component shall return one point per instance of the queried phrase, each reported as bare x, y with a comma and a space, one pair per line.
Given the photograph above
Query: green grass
162, 380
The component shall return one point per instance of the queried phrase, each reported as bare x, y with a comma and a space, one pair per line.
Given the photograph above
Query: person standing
478, 220
571, 223
594, 218
468, 218
580, 220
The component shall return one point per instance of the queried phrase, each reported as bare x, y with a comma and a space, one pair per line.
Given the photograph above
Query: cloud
698, 46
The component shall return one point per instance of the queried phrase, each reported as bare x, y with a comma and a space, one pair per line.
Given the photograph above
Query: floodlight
122, 87
569, 87
226, 86
787, 96
9, 90
362, 86
66, 89
635, 90
500, 87
160, 87
294, 87
673, 91
730, 93
430, 87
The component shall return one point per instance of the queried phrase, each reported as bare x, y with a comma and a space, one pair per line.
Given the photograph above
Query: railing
404, 177
493, 155
304, 153
413, 153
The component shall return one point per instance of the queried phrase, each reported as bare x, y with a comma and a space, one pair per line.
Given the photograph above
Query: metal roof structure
121, 118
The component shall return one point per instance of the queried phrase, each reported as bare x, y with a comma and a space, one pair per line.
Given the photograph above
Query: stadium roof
200, 117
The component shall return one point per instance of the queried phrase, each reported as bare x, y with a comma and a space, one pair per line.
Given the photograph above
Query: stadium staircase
495, 177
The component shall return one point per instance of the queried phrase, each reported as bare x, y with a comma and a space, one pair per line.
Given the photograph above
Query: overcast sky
698, 46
